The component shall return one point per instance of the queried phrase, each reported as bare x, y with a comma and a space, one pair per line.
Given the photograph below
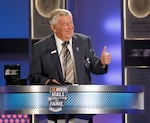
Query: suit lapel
55, 57
77, 56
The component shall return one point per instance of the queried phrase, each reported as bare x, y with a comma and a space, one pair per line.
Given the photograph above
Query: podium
75, 99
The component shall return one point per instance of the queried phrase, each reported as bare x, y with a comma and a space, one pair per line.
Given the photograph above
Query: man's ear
52, 28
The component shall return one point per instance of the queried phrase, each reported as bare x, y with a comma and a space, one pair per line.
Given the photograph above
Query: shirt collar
59, 43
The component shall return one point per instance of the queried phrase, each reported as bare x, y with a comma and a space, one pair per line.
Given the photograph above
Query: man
47, 61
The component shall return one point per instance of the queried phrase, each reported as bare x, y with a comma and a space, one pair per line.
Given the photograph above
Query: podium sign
81, 99
57, 98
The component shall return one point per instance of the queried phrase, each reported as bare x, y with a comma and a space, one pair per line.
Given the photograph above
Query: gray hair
57, 13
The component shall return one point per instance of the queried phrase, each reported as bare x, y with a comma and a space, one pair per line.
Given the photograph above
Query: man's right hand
52, 82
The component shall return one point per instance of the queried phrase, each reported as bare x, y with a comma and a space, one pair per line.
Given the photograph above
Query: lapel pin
77, 48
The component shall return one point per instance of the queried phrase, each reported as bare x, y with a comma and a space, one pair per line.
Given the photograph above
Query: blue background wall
100, 19
14, 35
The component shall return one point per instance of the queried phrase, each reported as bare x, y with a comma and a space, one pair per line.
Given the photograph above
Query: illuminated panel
99, 100
89, 101
14, 118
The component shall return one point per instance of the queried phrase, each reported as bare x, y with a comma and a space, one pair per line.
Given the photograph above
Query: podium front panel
81, 99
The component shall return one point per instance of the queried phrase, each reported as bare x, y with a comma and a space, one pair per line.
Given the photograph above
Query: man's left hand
105, 56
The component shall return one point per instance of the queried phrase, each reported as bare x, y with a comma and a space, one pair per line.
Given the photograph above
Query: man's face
64, 28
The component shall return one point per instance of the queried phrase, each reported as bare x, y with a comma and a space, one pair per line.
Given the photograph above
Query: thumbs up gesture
105, 56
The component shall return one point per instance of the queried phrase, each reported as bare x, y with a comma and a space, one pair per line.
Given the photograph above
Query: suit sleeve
93, 61
35, 76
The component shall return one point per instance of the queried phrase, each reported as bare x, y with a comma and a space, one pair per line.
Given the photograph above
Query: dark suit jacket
45, 62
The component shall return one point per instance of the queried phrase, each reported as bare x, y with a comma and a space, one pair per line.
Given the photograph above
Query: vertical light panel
101, 19
102, 22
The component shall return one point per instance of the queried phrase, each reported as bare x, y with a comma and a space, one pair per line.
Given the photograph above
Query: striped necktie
67, 64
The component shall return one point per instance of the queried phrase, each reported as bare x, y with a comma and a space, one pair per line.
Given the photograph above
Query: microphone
55, 66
